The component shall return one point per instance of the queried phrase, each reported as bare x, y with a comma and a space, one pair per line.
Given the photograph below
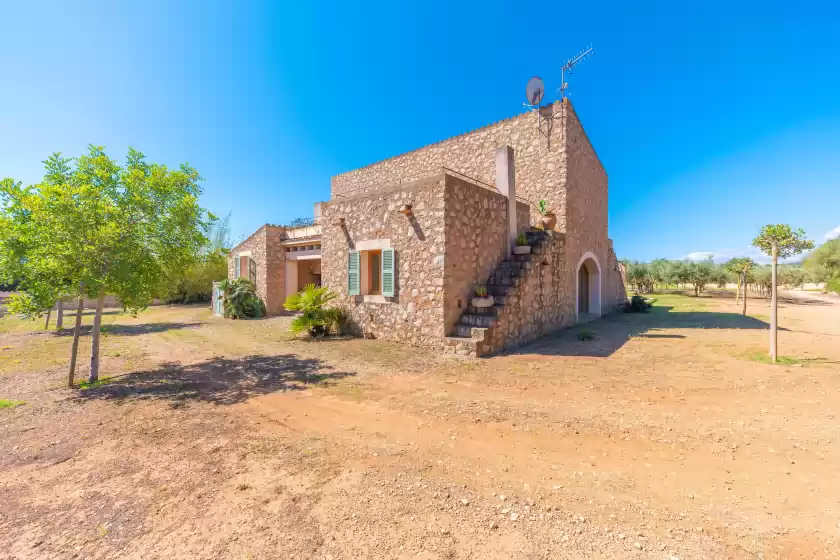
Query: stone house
404, 241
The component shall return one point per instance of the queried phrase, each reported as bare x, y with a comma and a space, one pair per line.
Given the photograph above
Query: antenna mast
568, 68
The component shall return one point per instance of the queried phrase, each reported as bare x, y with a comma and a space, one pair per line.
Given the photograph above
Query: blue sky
710, 121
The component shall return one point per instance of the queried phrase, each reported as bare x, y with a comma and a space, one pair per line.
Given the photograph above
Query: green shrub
241, 300
637, 304
195, 283
521, 240
585, 334
315, 317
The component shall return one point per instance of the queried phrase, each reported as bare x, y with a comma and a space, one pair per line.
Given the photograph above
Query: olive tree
779, 241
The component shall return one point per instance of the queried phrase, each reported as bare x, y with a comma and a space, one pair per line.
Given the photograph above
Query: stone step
459, 346
491, 311
475, 320
497, 290
463, 331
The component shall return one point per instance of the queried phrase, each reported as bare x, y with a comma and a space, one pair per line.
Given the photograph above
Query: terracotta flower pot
479, 302
549, 220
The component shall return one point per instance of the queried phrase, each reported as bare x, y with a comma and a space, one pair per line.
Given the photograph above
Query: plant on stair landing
482, 297
522, 247
549, 218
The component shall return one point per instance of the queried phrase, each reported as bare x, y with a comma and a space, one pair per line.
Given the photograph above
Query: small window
371, 272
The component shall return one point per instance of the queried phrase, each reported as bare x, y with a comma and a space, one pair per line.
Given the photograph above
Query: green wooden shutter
388, 274
236, 267
252, 271
353, 283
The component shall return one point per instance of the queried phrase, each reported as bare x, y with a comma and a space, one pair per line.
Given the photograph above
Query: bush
195, 283
241, 300
585, 334
637, 304
315, 317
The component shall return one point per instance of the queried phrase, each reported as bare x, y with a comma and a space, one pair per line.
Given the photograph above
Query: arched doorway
588, 288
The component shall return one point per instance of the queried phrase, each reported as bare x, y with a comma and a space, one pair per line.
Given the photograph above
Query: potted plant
482, 297
549, 219
522, 247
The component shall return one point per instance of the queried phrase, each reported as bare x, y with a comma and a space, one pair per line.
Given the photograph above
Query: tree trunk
93, 376
738, 290
74, 352
47, 324
774, 307
744, 309
59, 316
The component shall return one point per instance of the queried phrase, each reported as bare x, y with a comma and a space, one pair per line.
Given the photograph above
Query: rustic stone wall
544, 301
415, 314
266, 249
588, 204
540, 162
476, 239
614, 292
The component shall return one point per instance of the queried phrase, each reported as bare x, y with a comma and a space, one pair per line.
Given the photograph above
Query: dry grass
664, 435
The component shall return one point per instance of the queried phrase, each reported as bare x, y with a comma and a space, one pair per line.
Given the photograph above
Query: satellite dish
534, 91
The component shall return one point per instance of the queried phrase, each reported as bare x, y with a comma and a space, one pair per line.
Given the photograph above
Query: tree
823, 265
95, 228
741, 267
779, 241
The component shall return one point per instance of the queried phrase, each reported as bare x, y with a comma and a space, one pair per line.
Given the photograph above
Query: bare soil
667, 436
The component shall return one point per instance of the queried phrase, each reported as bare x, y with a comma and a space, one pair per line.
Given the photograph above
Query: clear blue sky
710, 121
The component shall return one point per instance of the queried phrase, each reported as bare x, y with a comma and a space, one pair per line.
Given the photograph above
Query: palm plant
315, 318
241, 300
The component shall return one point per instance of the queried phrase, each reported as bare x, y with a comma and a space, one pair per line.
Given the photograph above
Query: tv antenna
570, 64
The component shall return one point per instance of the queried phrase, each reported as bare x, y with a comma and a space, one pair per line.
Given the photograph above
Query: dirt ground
667, 436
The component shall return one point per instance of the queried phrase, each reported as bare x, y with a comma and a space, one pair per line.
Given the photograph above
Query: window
245, 267
374, 278
371, 273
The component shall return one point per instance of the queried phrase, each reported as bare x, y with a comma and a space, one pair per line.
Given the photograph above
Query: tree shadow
614, 331
220, 381
130, 330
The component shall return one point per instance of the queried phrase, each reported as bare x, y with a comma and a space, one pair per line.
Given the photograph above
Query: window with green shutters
353, 272
388, 273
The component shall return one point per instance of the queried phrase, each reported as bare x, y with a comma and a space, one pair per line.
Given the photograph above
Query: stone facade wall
544, 301
415, 314
476, 239
588, 204
613, 289
266, 249
540, 162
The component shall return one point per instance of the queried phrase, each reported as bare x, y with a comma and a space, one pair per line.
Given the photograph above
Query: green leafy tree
94, 227
823, 265
779, 241
741, 266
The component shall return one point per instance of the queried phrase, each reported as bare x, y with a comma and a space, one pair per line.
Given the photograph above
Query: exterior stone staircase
476, 324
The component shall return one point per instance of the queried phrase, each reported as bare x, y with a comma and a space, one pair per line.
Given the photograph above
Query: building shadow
129, 330
614, 331
220, 381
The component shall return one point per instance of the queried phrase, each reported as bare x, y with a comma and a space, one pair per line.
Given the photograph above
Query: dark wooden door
583, 290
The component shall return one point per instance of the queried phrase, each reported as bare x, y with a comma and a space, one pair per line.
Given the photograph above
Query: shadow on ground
131, 330
219, 381
613, 332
